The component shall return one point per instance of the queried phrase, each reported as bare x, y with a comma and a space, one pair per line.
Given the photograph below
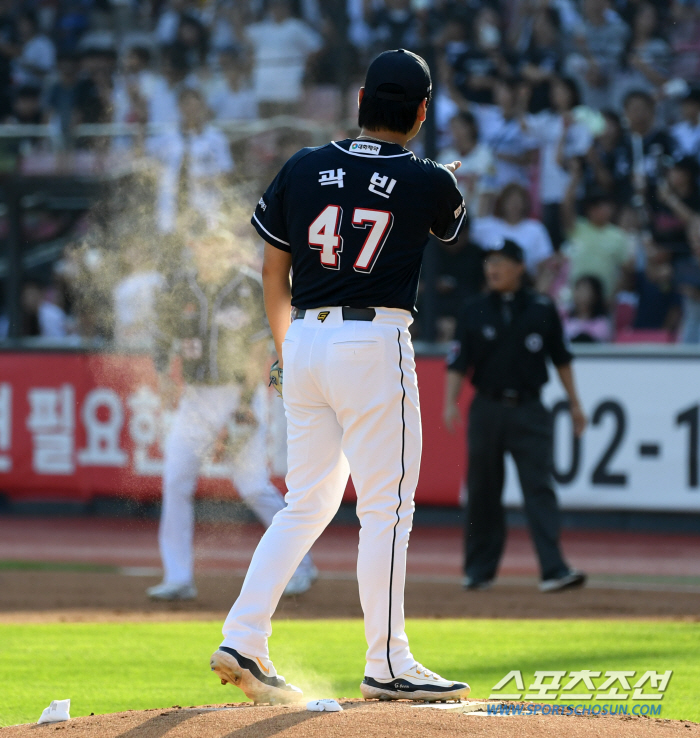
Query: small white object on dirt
323, 706
57, 712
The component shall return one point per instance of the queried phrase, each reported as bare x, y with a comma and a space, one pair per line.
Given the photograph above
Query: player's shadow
160, 724
272, 725
278, 723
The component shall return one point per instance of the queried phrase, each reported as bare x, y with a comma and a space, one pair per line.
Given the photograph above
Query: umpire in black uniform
505, 338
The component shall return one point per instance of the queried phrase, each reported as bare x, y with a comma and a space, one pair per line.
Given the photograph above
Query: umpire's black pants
526, 431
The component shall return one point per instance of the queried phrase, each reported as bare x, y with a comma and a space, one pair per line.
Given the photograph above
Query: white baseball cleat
164, 591
415, 684
256, 677
301, 581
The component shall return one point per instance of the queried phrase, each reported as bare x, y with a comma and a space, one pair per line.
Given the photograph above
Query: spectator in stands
41, 316
394, 26
543, 58
195, 159
646, 64
513, 149
595, 246
95, 88
560, 138
37, 56
688, 284
26, 106
648, 148
608, 166
282, 47
193, 36
676, 203
477, 162
61, 98
588, 320
600, 41
230, 95
480, 63
133, 90
227, 27
163, 105
684, 37
72, 21
26, 109
169, 20
686, 133
511, 221
659, 304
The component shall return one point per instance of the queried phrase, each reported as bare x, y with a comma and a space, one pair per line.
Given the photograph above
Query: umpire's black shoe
415, 684
249, 675
571, 580
471, 583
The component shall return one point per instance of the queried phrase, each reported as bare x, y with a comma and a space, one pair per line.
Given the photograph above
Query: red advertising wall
73, 426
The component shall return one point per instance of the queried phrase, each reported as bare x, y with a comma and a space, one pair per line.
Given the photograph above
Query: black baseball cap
406, 75
508, 249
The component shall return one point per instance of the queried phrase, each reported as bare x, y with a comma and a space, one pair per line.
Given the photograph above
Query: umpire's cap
508, 249
405, 75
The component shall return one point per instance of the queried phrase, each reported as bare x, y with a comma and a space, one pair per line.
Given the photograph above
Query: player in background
351, 219
210, 315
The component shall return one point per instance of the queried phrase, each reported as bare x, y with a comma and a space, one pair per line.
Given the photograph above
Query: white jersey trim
371, 156
268, 232
459, 225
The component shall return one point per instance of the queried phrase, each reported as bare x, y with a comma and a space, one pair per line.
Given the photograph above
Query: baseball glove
276, 377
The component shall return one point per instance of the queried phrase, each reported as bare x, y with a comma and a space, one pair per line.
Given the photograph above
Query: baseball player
352, 220
210, 316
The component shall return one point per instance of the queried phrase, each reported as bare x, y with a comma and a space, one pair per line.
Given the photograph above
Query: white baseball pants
351, 400
202, 413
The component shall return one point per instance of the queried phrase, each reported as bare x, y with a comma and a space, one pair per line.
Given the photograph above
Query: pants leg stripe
403, 474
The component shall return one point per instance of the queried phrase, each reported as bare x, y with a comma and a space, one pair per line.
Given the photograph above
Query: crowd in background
577, 123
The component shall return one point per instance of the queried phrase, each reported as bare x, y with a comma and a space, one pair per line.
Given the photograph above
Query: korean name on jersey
354, 215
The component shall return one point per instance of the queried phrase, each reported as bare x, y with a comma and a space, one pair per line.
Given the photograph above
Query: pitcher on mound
351, 220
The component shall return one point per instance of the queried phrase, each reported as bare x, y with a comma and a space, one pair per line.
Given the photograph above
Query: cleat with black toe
259, 682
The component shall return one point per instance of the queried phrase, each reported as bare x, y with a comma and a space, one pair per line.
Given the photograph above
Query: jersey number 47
324, 236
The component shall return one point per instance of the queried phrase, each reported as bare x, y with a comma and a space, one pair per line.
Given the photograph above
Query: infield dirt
358, 720
40, 596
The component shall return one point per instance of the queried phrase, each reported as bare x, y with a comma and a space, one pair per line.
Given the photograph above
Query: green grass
119, 666
12, 565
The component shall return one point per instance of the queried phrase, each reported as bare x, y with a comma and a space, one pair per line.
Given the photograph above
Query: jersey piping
372, 156
455, 230
268, 232
398, 517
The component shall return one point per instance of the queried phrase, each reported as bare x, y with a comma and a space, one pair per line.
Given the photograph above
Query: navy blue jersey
356, 216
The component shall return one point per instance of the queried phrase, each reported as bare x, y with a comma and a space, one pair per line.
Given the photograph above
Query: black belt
366, 314
510, 397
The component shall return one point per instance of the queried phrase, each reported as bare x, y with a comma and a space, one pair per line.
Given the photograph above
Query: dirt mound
358, 719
